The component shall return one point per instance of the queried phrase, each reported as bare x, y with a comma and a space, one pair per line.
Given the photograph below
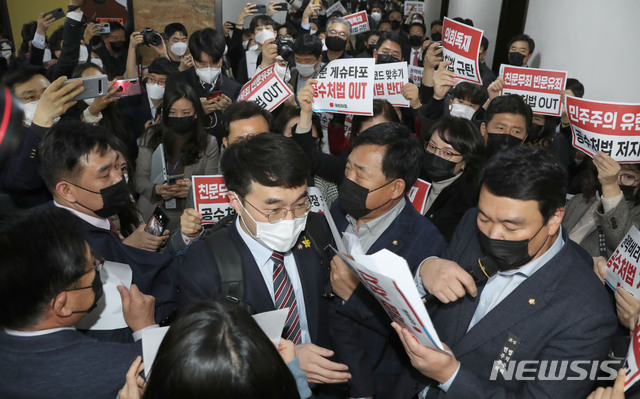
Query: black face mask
386, 59
395, 24
370, 49
335, 43
415, 41
436, 37
628, 192
535, 133
96, 286
181, 126
436, 168
114, 199
499, 142
504, 254
352, 198
117, 46
515, 58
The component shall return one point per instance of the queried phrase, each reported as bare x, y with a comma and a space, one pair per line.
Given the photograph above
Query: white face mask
306, 70
376, 16
29, 112
6, 54
155, 91
281, 236
282, 72
179, 48
264, 35
88, 101
208, 74
98, 62
462, 111
47, 56
84, 54
313, 31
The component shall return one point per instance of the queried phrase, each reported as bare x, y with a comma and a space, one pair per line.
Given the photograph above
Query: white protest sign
415, 74
345, 86
272, 323
413, 7
151, 340
318, 204
359, 22
622, 266
388, 278
540, 88
460, 45
389, 80
631, 364
211, 198
418, 195
609, 127
266, 89
337, 6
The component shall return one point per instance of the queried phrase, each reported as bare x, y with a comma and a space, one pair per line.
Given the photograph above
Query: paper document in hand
387, 276
272, 323
151, 340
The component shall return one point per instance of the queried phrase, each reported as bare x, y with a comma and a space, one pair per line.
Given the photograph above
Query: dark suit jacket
64, 364
72, 33
199, 280
570, 318
360, 328
451, 204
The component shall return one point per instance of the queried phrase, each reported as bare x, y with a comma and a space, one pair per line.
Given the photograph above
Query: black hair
21, 75
196, 141
484, 43
175, 27
55, 40
115, 26
27, 33
465, 21
209, 41
468, 91
66, 144
465, 137
244, 110
217, 348
424, 29
436, 22
307, 45
162, 66
263, 20
269, 159
576, 87
509, 104
527, 173
403, 152
291, 29
383, 21
289, 112
525, 38
380, 108
395, 37
43, 253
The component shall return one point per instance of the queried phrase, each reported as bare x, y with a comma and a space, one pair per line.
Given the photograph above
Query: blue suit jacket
561, 312
361, 329
199, 280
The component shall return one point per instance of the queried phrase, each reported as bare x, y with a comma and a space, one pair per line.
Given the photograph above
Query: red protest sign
540, 88
613, 128
359, 22
266, 89
211, 198
418, 195
461, 46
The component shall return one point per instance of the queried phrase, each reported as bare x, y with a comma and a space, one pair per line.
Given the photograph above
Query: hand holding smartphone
94, 86
158, 222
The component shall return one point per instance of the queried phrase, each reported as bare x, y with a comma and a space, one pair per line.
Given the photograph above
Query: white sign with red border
345, 86
540, 88
631, 366
211, 198
413, 7
622, 266
461, 44
359, 22
415, 74
266, 89
389, 80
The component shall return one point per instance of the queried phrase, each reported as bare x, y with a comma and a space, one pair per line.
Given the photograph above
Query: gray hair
342, 21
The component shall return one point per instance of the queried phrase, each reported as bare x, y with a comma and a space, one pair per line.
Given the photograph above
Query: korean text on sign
632, 362
345, 86
266, 89
389, 80
461, 44
359, 22
540, 88
415, 75
613, 128
413, 7
622, 266
211, 198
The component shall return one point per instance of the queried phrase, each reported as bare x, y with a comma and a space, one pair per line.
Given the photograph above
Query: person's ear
398, 188
225, 142
66, 191
483, 130
555, 221
234, 201
59, 305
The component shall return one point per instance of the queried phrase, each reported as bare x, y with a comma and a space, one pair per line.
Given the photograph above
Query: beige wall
23, 11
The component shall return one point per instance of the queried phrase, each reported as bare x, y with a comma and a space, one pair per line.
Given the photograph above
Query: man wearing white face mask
263, 32
177, 43
308, 55
267, 177
215, 89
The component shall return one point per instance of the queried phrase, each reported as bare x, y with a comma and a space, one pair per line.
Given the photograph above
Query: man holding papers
544, 309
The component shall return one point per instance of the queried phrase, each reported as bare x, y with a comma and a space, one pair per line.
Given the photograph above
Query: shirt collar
92, 220
36, 333
378, 225
535, 265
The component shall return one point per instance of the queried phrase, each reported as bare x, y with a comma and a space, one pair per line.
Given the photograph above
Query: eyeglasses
278, 215
334, 32
628, 179
161, 82
98, 265
444, 152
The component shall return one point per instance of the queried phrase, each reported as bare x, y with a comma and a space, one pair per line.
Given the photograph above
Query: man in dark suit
544, 302
207, 79
267, 178
372, 205
50, 281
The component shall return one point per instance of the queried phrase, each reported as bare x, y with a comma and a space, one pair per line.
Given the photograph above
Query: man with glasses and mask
372, 204
79, 165
267, 178
338, 33
541, 303
50, 281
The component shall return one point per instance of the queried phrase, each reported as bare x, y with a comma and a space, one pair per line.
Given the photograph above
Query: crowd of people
79, 188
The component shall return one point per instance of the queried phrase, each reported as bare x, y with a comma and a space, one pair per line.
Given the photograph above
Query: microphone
481, 271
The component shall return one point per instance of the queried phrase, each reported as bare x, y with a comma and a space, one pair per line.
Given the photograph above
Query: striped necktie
285, 298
